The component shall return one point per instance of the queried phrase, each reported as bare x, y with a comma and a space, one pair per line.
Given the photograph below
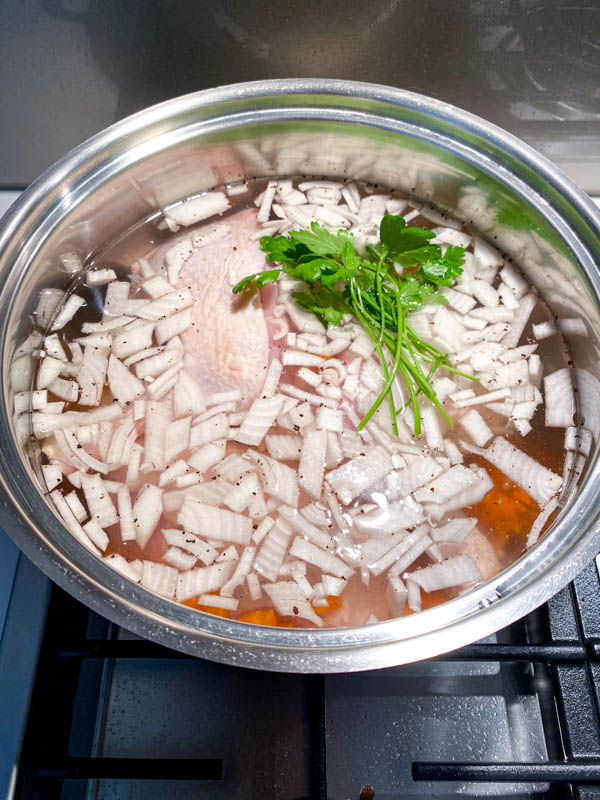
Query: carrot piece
506, 511
262, 616
333, 603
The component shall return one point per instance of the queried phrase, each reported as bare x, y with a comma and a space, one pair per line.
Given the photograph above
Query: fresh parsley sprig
400, 274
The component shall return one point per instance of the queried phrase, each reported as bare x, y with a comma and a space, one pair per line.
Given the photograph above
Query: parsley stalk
402, 273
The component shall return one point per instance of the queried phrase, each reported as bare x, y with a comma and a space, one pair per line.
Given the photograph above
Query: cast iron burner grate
273, 735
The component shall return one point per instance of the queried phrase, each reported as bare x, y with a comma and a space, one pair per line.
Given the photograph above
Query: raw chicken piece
227, 346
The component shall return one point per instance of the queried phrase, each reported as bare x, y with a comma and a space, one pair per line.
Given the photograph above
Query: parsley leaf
320, 242
339, 280
261, 278
390, 231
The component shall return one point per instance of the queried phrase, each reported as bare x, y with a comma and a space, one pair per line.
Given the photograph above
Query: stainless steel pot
331, 128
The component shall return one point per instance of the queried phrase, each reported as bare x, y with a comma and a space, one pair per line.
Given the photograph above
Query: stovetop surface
114, 716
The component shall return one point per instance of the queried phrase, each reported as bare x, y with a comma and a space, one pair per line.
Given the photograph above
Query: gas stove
103, 714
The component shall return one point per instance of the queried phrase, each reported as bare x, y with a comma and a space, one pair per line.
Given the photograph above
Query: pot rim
514, 592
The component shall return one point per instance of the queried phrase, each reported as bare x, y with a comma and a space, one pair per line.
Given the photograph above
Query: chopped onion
540, 483
560, 400
203, 579
214, 601
123, 385
158, 418
188, 397
233, 468
92, 375
453, 452
451, 572
121, 565
262, 530
278, 479
456, 530
511, 277
133, 468
540, 521
284, 447
159, 578
396, 594
214, 523
259, 419
125, 514
356, 476
335, 454
413, 596
173, 326
210, 430
306, 551
177, 437
166, 305
416, 550
189, 212
212, 233
175, 258
100, 506
307, 375
301, 416
133, 340
543, 330
52, 474
76, 506
476, 427
309, 397
485, 293
207, 456
49, 301
469, 495
179, 559
147, 511
446, 485
67, 312
97, 535
274, 547
431, 428
66, 390
156, 286
288, 599
419, 471
153, 366
483, 399
240, 497
405, 513
241, 571
71, 522
312, 462
48, 372
521, 318
254, 586
200, 549
272, 378
305, 528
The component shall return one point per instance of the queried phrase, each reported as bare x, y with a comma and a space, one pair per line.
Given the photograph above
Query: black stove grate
559, 646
